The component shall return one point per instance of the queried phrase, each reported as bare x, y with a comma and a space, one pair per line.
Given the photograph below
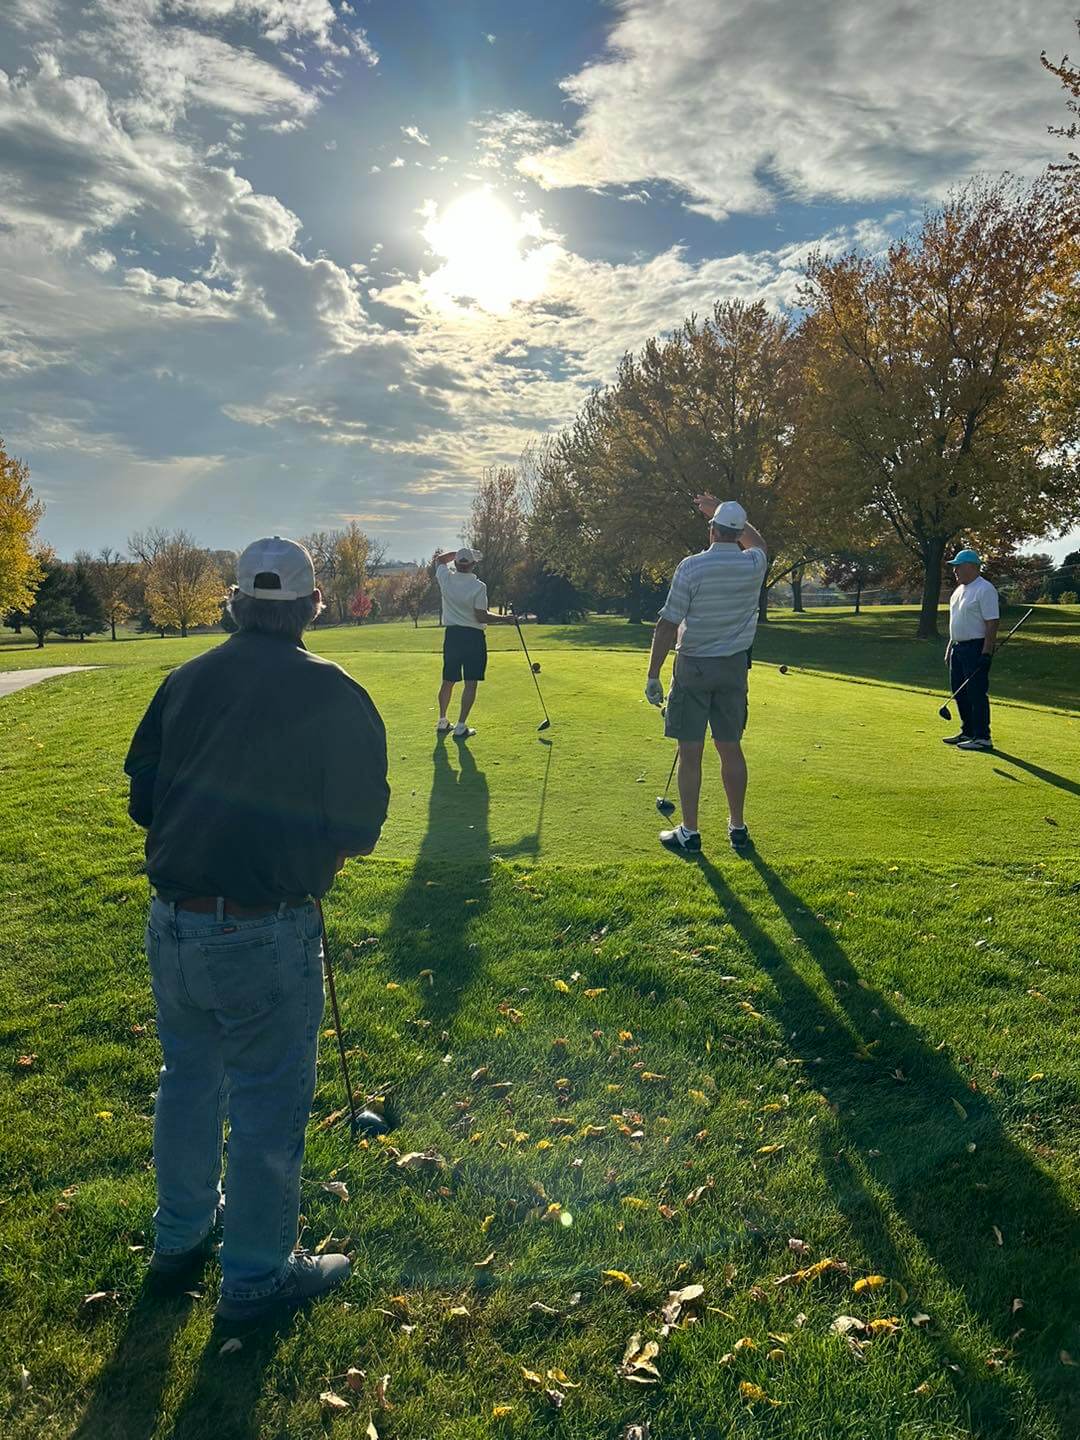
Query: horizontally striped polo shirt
714, 598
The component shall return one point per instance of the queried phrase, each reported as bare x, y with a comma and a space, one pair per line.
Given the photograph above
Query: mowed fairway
859, 1046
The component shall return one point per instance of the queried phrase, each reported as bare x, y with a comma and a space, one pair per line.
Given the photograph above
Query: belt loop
172, 919
219, 913
282, 909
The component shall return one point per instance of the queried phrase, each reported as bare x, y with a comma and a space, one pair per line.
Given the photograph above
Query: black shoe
173, 1274
674, 840
955, 739
739, 836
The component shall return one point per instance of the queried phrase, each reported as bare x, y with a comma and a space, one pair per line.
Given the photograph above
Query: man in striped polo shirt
710, 618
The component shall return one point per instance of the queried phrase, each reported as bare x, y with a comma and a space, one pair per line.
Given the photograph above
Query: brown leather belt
208, 905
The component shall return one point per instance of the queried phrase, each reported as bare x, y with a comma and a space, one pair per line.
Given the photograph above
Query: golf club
663, 804
944, 711
533, 671
361, 1122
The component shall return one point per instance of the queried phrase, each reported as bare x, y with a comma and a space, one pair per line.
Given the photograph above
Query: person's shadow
449, 889
894, 1098
1049, 777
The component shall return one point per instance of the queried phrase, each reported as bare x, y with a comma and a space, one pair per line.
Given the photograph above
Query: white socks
684, 833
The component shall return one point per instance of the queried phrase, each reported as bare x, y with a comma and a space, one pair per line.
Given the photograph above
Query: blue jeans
239, 1003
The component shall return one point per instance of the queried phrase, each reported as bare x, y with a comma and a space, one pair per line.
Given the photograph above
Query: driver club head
665, 806
944, 713
543, 724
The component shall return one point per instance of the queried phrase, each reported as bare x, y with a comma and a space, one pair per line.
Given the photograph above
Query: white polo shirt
714, 599
462, 595
970, 607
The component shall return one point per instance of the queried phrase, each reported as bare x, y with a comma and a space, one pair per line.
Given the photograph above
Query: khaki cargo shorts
709, 691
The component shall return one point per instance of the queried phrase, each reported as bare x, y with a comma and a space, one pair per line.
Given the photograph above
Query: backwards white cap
286, 560
465, 553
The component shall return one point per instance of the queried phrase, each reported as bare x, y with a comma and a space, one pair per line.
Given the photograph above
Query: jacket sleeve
143, 757
356, 795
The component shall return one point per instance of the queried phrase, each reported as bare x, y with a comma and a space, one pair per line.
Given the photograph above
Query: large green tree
916, 406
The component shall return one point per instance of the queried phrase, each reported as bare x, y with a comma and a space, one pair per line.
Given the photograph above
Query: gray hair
289, 618
725, 534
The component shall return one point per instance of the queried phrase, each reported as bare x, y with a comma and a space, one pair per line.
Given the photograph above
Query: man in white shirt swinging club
464, 615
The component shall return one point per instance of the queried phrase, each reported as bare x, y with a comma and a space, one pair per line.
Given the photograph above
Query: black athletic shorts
464, 653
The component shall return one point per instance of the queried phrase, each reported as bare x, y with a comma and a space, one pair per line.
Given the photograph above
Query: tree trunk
858, 595
183, 632
113, 625
633, 600
796, 590
933, 554
763, 604
41, 641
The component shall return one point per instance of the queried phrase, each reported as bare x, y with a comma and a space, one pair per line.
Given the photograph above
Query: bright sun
480, 241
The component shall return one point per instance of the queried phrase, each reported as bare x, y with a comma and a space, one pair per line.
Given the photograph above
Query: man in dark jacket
257, 771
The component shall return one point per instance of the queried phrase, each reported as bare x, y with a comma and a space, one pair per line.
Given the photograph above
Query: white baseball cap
465, 553
289, 561
730, 514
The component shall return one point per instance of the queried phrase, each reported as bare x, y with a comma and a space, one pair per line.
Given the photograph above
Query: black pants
973, 702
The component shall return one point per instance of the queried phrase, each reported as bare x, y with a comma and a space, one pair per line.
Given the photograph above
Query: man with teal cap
973, 626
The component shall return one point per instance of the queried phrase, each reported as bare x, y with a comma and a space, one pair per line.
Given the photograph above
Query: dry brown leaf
427, 1161
333, 1402
500, 1412
754, 1394
355, 1378
485, 1264
231, 1346
531, 1377
336, 1187
998, 1235
847, 1325
959, 1109
96, 1297
555, 1398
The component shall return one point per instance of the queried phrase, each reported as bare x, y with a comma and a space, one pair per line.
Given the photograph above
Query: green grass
888, 991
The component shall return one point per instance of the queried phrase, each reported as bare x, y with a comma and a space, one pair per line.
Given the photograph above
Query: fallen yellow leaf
869, 1282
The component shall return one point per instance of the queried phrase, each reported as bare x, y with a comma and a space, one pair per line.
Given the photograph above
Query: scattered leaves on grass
562, 987
333, 1402
25, 1062
500, 1412
531, 1377
355, 1378
231, 1346
696, 1194
960, 1109
869, 1282
998, 1235
595, 991
337, 1188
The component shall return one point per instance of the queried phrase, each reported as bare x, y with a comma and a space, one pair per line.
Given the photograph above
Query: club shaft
354, 1123
532, 672
671, 772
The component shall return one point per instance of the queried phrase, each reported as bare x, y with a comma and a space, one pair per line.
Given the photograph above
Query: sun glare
481, 242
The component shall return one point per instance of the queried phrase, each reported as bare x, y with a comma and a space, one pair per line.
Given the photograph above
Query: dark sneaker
679, 841
739, 836
442, 727
975, 745
954, 739
309, 1276
172, 1274
462, 732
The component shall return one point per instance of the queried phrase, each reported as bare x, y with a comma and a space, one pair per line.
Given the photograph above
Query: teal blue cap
966, 557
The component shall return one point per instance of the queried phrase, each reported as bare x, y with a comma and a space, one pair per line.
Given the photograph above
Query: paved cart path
12, 680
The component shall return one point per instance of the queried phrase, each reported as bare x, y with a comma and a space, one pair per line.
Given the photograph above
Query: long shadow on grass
893, 1093
1049, 777
222, 1403
126, 1400
450, 885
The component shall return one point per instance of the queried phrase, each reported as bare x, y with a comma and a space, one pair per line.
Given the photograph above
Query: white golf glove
654, 692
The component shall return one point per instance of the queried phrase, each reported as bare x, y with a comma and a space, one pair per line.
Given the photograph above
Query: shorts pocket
244, 975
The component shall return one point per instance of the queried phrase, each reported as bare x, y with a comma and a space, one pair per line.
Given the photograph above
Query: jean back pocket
244, 974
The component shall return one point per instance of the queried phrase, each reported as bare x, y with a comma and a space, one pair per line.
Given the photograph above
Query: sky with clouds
270, 265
